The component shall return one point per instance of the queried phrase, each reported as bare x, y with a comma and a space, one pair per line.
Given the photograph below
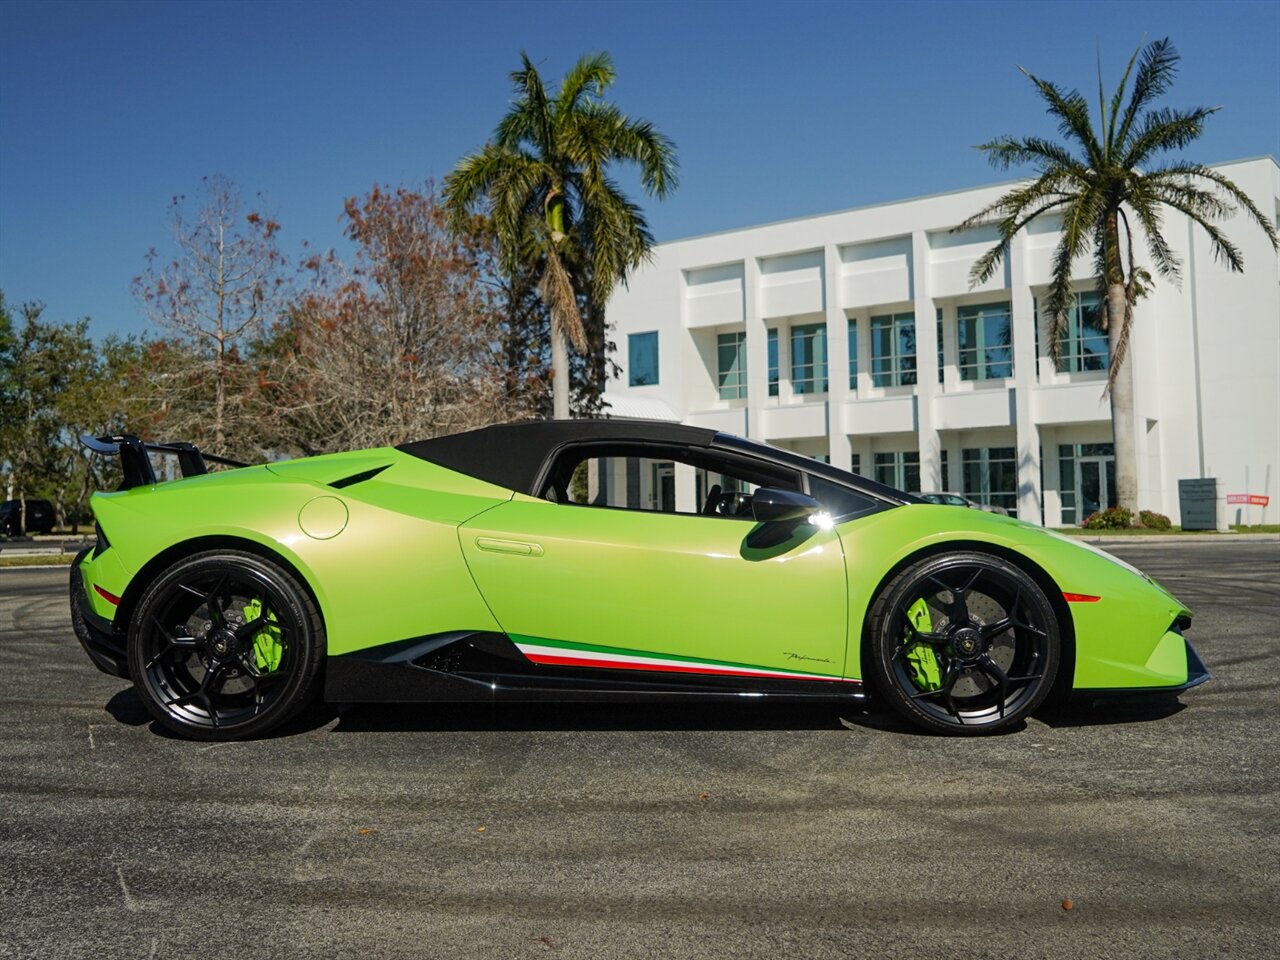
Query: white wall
1206, 352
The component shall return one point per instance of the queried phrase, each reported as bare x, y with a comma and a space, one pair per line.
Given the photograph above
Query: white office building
856, 337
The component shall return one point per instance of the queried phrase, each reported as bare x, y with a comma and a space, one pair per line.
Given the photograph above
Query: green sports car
594, 560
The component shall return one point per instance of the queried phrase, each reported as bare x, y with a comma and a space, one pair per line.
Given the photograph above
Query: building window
809, 358
940, 378
642, 359
855, 464
990, 476
773, 362
985, 334
853, 354
900, 469
1085, 345
946, 472
731, 353
893, 350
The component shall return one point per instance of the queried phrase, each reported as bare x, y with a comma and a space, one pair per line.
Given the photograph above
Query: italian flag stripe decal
562, 653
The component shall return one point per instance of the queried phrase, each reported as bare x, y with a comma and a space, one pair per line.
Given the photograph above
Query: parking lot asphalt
600, 831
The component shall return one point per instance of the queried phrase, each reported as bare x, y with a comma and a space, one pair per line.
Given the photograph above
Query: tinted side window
645, 477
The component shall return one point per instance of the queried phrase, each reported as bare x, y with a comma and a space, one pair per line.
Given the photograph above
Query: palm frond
1168, 178
1006, 152
530, 115
1163, 130
1224, 250
618, 236
592, 74
1117, 99
1079, 225
556, 290
1146, 207
1072, 111
1014, 211
468, 183
600, 133
1155, 75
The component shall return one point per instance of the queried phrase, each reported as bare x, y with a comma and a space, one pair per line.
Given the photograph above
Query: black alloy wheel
964, 643
225, 645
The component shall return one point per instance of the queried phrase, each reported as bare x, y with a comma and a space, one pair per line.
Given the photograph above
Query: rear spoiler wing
136, 464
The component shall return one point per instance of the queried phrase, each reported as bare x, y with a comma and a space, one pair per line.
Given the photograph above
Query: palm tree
546, 179
1096, 181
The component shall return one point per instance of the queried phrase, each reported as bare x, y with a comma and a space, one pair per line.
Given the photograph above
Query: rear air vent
102, 544
360, 477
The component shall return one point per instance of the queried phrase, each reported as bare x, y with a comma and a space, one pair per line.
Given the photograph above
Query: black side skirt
484, 666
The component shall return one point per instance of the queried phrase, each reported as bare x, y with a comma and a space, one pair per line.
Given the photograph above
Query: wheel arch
170, 555
1062, 684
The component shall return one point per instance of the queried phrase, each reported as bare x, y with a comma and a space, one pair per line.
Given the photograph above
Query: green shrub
1113, 518
1153, 521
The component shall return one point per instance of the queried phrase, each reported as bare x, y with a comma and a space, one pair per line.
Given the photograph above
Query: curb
1183, 539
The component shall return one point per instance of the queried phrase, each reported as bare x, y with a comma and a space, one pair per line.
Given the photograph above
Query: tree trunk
1122, 412
559, 372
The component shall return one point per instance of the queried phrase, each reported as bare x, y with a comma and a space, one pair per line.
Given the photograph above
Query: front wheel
964, 643
225, 645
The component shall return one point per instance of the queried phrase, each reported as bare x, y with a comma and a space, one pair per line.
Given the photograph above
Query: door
616, 588
1097, 479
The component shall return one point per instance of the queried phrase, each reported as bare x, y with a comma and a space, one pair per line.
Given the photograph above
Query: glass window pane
773, 363
809, 358
853, 355
731, 360
985, 334
642, 359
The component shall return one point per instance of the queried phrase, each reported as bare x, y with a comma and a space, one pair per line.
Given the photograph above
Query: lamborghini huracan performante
592, 560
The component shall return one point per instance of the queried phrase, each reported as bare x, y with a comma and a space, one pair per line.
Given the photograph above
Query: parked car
38, 517
955, 500
517, 563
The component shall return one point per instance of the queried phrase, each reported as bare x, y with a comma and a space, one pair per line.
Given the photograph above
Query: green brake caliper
267, 648
922, 662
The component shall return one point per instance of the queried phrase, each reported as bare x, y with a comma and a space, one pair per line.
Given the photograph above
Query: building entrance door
1096, 490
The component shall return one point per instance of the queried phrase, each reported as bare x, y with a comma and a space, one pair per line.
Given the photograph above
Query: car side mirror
774, 505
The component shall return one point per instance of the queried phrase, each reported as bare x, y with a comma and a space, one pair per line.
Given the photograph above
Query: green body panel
664, 583
393, 572
1116, 637
419, 550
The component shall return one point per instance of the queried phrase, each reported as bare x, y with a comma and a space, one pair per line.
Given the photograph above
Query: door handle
518, 548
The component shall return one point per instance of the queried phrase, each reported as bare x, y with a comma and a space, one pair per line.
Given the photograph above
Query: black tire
208, 663
977, 658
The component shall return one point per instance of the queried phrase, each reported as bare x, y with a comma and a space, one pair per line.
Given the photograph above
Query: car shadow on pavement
127, 708
1106, 711
361, 718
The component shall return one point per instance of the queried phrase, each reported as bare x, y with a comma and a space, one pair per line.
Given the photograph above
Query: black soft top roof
511, 455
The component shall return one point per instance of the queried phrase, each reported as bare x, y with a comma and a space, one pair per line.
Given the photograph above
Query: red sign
1252, 499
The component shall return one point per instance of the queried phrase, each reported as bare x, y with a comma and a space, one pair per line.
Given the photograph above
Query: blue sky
107, 110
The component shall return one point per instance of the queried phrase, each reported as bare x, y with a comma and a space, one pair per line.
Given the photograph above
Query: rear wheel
225, 645
964, 643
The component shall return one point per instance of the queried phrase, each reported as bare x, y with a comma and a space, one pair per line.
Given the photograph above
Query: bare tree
226, 280
404, 343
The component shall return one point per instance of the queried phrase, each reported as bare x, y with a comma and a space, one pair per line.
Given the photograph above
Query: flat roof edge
902, 200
